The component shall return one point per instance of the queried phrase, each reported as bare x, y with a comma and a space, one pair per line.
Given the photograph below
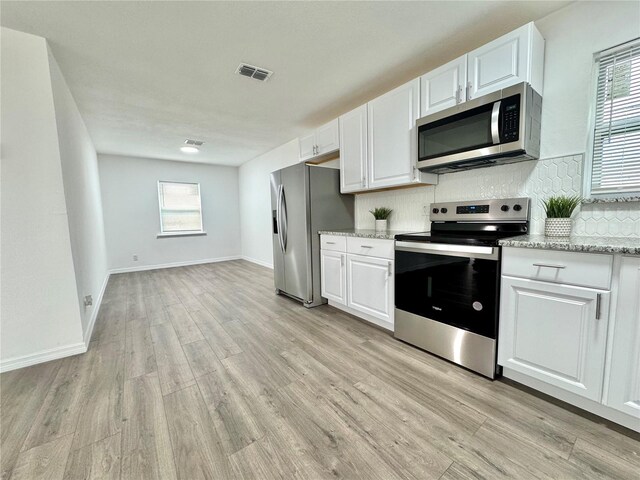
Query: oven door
452, 284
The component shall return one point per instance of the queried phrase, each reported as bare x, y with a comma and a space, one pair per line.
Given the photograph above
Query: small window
615, 160
180, 207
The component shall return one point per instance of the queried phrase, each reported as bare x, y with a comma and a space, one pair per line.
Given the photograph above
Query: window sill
624, 199
180, 234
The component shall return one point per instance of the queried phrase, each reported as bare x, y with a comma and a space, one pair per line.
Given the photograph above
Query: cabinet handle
468, 91
598, 305
330, 243
342, 260
549, 265
416, 172
366, 246
315, 149
458, 94
389, 273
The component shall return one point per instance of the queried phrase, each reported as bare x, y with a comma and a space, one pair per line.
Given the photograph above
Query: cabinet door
328, 138
499, 64
307, 147
391, 136
554, 333
333, 276
353, 150
443, 87
370, 286
624, 379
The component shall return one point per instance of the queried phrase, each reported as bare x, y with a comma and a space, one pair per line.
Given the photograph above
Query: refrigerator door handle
285, 222
279, 217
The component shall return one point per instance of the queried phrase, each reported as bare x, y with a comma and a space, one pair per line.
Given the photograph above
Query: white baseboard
364, 316
94, 314
172, 265
257, 262
41, 357
573, 399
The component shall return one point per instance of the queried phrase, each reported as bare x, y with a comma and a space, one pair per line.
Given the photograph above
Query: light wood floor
203, 372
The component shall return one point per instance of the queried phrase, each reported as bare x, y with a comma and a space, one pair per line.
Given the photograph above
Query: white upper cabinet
444, 87
513, 58
322, 141
307, 147
624, 381
327, 138
391, 136
353, 151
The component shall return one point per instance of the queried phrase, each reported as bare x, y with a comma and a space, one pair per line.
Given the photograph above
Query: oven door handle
449, 249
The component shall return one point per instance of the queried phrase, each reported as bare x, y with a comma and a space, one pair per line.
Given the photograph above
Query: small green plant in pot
559, 210
381, 214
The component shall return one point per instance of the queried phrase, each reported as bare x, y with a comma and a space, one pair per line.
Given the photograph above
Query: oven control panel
472, 209
505, 209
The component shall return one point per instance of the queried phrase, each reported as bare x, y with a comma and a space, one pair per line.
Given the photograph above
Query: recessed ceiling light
189, 149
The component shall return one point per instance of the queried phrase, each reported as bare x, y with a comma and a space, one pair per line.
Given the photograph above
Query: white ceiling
148, 75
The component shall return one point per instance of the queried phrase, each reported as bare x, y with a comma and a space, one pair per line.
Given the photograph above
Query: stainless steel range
447, 281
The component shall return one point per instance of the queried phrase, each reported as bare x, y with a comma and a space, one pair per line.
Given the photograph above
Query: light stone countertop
363, 233
628, 246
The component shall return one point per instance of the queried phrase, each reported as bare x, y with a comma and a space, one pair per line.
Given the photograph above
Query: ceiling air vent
252, 71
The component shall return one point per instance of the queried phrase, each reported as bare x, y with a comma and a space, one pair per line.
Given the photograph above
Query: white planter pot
557, 227
381, 225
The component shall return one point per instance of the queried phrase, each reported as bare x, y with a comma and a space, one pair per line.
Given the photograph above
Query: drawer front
585, 269
337, 243
372, 247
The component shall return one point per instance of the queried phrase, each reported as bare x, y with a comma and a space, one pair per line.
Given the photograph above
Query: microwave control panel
510, 119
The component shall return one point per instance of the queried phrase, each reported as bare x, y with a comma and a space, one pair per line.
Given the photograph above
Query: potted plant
559, 210
381, 214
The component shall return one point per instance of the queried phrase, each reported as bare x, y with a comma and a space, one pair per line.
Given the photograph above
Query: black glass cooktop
465, 234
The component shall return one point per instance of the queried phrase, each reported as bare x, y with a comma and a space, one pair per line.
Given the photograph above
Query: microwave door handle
495, 116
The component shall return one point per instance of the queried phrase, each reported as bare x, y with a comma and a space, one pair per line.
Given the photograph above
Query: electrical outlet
135, 257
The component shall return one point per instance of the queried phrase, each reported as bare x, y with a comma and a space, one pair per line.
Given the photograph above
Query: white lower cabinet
370, 286
570, 327
555, 333
356, 275
624, 379
333, 276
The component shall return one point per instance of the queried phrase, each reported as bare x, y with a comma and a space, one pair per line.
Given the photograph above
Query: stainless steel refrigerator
304, 200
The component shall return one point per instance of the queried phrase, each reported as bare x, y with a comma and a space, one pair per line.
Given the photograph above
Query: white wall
255, 201
132, 221
82, 194
573, 34
40, 318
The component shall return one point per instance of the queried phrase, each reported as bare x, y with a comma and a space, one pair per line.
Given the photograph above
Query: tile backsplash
536, 179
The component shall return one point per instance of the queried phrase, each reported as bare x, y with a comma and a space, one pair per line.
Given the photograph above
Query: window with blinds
180, 207
616, 135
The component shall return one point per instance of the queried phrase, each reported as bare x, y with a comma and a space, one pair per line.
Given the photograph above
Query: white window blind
180, 207
616, 139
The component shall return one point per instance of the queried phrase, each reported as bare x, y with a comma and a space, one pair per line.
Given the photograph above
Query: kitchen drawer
372, 247
336, 243
571, 268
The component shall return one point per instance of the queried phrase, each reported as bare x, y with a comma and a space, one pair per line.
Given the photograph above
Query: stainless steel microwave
501, 127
